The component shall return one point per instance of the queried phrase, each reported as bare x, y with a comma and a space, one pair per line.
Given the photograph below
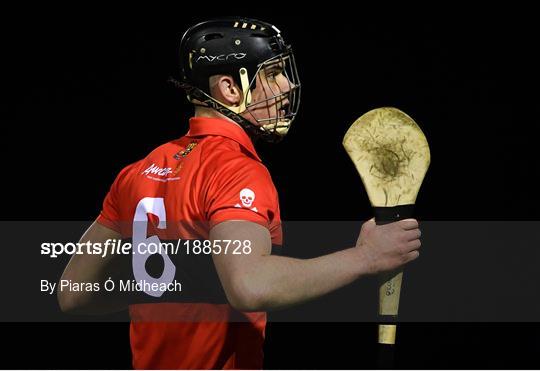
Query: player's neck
211, 113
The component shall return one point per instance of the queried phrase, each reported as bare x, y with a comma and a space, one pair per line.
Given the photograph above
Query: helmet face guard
253, 53
280, 85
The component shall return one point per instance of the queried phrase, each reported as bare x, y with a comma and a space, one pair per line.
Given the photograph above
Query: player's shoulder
126, 173
164, 150
226, 155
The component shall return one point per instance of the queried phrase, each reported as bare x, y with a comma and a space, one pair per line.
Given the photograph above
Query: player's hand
390, 246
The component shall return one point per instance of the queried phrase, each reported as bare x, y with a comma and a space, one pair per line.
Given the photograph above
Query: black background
84, 100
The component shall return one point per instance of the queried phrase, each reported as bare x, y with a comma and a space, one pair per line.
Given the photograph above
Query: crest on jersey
186, 151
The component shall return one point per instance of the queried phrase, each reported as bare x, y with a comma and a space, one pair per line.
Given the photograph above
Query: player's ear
224, 89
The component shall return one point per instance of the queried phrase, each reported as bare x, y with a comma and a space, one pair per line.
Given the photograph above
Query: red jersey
179, 191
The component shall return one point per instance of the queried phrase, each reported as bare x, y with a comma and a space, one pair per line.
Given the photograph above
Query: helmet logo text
222, 57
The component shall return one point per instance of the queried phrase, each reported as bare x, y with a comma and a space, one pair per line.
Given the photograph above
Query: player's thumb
369, 225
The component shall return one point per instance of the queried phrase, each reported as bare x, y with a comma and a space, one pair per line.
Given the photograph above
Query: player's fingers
413, 255
414, 245
408, 224
412, 234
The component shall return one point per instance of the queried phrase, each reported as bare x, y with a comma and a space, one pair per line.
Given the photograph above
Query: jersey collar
203, 126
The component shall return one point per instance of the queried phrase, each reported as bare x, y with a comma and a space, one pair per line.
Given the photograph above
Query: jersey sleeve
241, 190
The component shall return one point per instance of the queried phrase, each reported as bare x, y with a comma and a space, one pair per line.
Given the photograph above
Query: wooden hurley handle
390, 289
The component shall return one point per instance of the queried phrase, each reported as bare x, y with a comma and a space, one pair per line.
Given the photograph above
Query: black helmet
241, 48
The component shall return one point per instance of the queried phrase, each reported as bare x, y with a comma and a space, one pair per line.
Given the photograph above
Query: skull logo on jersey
247, 196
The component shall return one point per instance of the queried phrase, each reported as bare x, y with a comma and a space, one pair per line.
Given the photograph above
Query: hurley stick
392, 156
